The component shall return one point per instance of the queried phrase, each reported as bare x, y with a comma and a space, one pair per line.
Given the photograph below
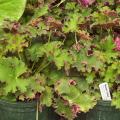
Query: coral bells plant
59, 52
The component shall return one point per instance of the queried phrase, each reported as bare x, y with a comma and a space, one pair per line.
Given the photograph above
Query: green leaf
90, 77
37, 51
35, 85
111, 72
70, 5
86, 12
53, 52
33, 53
41, 11
63, 110
63, 88
116, 99
54, 76
74, 96
86, 63
15, 85
46, 97
11, 9
16, 43
82, 84
10, 71
108, 44
118, 9
71, 24
61, 58
107, 47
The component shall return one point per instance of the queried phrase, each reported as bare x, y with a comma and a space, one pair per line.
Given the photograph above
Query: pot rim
18, 104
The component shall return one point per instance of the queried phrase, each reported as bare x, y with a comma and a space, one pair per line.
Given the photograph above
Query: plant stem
37, 110
49, 36
40, 69
33, 65
76, 38
43, 65
19, 56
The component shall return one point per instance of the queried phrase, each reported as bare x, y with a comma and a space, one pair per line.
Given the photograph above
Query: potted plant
57, 55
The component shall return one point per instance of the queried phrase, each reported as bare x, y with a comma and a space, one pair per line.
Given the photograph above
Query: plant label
105, 92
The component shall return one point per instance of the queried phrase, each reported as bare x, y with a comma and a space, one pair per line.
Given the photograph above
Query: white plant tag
105, 92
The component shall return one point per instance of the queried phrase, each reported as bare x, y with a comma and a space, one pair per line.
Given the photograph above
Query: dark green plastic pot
24, 111
103, 111
81, 116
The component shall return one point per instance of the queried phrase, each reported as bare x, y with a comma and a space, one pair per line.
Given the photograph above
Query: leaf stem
33, 65
18, 55
76, 38
43, 65
40, 69
49, 36
37, 110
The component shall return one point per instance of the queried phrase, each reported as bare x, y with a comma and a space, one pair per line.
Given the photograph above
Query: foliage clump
59, 52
